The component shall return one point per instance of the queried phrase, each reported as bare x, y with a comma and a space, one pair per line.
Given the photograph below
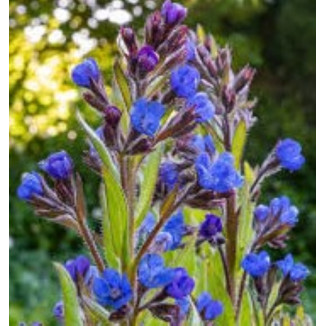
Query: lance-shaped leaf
72, 314
246, 313
115, 198
238, 143
123, 85
148, 184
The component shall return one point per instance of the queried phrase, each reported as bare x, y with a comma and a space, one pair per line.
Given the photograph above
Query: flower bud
85, 73
243, 79
128, 37
173, 13
147, 59
112, 116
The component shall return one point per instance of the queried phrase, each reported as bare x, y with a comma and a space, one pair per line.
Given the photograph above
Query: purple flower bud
78, 267
58, 165
211, 226
288, 152
147, 58
181, 286
31, 185
128, 36
85, 72
173, 13
112, 116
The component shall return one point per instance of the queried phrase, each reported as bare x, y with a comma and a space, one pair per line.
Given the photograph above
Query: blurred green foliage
48, 37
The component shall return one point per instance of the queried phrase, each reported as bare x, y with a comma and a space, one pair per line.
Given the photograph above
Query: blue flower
209, 309
220, 175
181, 285
169, 174
58, 165
152, 273
86, 71
163, 242
173, 13
112, 289
204, 108
146, 115
31, 185
286, 264
288, 152
211, 226
78, 267
176, 227
184, 305
261, 212
146, 226
299, 272
282, 208
58, 311
185, 80
203, 143
256, 265
147, 58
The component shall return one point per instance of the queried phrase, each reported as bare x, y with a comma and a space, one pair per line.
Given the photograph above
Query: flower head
203, 143
297, 272
147, 58
261, 212
169, 174
256, 264
78, 267
181, 285
173, 13
185, 80
209, 309
146, 115
58, 165
220, 175
85, 72
152, 273
184, 305
211, 226
287, 213
204, 108
288, 152
112, 289
31, 185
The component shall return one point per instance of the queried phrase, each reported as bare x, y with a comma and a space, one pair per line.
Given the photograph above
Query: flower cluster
178, 199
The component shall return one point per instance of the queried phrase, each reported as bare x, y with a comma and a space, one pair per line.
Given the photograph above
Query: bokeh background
48, 37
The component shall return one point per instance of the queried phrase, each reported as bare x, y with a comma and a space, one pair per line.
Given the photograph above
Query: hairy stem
226, 270
240, 294
231, 241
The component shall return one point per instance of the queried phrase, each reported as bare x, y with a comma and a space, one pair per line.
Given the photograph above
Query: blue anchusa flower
146, 226
210, 227
176, 228
184, 81
288, 152
184, 305
112, 289
169, 174
58, 311
219, 175
204, 144
147, 58
261, 213
208, 308
31, 185
181, 285
173, 13
204, 108
152, 273
85, 72
58, 165
256, 265
296, 271
146, 115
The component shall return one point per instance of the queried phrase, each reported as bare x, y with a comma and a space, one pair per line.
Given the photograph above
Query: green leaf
123, 85
97, 311
156, 85
246, 315
200, 33
148, 184
69, 295
117, 209
239, 141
